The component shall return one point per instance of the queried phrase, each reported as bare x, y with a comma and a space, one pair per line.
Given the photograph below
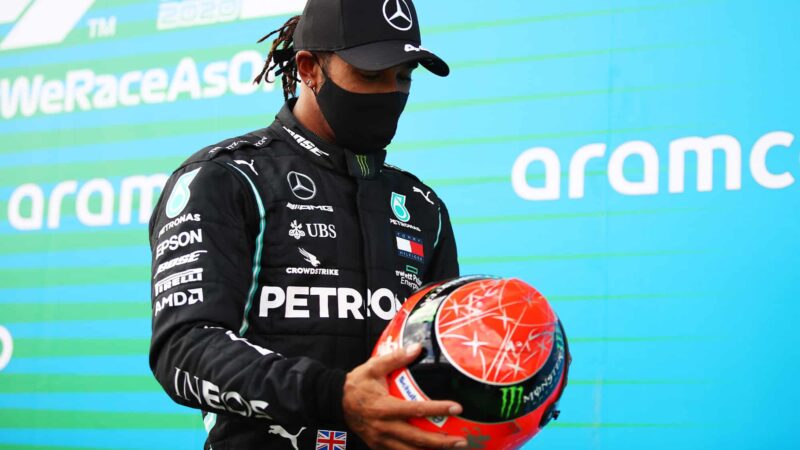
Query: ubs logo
315, 230
321, 230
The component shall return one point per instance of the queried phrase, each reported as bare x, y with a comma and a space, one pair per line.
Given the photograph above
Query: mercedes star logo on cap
368, 34
398, 14
301, 185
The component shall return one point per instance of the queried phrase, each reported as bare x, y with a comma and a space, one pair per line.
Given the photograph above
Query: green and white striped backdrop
634, 160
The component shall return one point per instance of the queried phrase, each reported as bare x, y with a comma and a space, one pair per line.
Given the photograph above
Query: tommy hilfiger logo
409, 246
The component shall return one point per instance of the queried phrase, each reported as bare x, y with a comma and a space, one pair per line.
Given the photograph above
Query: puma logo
248, 164
280, 431
416, 189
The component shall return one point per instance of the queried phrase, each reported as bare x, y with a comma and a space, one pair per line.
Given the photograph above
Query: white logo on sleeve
426, 195
197, 390
179, 298
179, 261
182, 219
179, 240
187, 276
280, 431
248, 164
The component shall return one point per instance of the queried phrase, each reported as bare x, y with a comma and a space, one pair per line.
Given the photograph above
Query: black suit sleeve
445, 257
204, 237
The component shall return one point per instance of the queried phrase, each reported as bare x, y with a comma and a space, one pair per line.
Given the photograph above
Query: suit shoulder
253, 141
408, 177
401, 172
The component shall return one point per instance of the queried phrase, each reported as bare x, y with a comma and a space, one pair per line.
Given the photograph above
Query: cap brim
385, 54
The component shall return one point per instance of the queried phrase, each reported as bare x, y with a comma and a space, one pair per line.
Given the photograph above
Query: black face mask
363, 123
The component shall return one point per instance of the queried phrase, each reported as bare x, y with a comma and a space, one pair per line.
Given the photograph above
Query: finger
391, 443
382, 365
395, 408
416, 437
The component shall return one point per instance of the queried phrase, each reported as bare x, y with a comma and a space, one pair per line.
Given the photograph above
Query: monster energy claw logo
363, 164
512, 400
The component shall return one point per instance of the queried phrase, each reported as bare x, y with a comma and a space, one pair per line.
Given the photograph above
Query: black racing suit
278, 260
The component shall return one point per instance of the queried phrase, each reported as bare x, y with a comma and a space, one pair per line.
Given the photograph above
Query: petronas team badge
399, 207
179, 197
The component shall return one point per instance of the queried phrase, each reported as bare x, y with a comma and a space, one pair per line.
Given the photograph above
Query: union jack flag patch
331, 440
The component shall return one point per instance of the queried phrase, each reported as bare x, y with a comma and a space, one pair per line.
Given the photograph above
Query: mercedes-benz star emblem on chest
398, 14
301, 185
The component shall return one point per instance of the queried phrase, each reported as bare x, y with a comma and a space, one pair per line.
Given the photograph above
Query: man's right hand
380, 419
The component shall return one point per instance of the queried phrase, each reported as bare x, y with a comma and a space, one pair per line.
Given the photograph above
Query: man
280, 256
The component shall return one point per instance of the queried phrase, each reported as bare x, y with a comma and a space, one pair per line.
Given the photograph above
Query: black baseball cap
369, 34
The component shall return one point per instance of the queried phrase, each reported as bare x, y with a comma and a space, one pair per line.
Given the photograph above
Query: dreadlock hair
281, 56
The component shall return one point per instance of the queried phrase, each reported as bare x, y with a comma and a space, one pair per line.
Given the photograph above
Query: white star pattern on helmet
497, 353
503, 318
475, 344
515, 366
456, 309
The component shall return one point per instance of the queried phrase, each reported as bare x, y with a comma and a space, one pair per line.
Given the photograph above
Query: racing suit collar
322, 152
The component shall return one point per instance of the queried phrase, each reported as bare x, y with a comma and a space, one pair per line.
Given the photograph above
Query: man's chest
338, 250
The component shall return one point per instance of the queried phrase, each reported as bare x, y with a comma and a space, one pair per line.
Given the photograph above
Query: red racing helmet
494, 345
